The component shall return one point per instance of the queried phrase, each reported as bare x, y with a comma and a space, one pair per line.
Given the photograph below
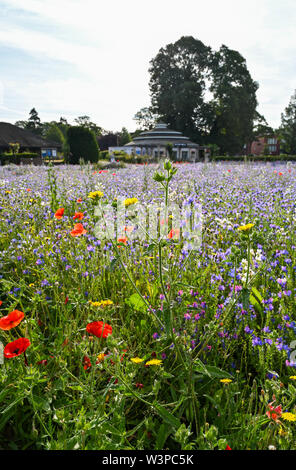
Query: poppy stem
26, 360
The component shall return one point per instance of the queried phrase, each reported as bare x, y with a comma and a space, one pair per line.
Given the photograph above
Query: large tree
145, 119
209, 96
234, 101
83, 144
178, 83
287, 131
85, 121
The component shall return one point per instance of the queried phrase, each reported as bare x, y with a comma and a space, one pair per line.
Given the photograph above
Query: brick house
258, 146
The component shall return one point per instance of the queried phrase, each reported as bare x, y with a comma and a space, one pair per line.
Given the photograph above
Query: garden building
154, 143
27, 141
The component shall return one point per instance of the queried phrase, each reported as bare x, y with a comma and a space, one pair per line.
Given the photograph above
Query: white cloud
111, 43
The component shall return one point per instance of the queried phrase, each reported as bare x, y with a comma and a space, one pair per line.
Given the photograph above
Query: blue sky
91, 57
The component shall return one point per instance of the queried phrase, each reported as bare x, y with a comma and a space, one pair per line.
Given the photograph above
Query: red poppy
1, 303
173, 233
79, 199
59, 213
78, 215
16, 348
78, 230
228, 448
86, 363
66, 300
99, 329
280, 173
122, 240
43, 362
11, 320
274, 413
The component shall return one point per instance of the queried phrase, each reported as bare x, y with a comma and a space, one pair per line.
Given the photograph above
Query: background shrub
83, 144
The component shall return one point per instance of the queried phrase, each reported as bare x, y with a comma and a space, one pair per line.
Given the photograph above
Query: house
269, 145
154, 143
28, 141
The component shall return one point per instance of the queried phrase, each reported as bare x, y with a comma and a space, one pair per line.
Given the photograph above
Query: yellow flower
95, 194
289, 416
154, 362
225, 381
293, 377
137, 360
282, 432
245, 228
102, 303
101, 357
7, 192
130, 201
32, 284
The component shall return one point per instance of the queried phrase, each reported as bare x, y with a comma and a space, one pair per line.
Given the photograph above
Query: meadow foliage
121, 344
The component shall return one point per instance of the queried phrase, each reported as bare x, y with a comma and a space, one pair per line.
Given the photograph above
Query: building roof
13, 134
161, 135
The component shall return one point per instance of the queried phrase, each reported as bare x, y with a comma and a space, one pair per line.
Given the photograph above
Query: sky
91, 57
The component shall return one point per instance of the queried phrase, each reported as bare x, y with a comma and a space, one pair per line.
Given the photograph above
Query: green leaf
167, 416
113, 264
136, 301
256, 300
163, 433
210, 371
245, 297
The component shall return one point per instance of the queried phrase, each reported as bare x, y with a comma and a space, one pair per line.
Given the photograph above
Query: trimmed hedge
10, 158
83, 144
260, 158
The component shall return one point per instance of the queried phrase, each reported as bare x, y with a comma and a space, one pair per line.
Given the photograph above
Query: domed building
154, 143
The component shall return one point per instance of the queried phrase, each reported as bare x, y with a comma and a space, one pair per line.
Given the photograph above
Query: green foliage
287, 130
180, 75
54, 134
83, 144
124, 137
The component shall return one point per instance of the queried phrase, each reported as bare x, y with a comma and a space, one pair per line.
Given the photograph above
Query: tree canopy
208, 95
287, 130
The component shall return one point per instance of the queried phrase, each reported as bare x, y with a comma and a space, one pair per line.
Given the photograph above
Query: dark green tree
54, 134
83, 144
234, 101
84, 121
34, 122
124, 137
287, 131
145, 119
209, 96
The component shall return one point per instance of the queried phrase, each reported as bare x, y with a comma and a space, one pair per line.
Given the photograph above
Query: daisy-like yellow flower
132, 200
225, 381
293, 377
246, 228
137, 360
289, 416
101, 357
102, 303
95, 194
154, 362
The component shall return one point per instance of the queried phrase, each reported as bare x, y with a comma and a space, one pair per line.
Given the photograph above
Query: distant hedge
83, 145
259, 158
9, 157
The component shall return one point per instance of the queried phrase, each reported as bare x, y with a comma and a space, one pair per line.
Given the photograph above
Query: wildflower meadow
148, 342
